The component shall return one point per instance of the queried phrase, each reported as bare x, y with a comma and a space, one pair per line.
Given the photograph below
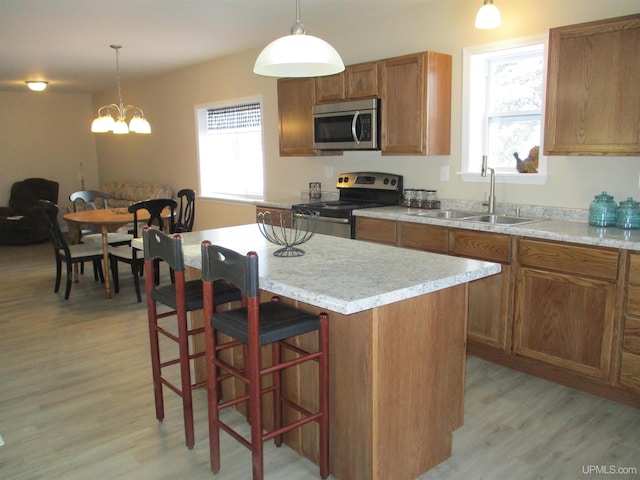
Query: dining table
105, 220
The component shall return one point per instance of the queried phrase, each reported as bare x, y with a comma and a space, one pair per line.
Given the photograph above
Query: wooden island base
397, 386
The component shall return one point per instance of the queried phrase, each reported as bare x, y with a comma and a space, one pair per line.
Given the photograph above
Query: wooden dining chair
251, 327
130, 255
69, 254
186, 211
92, 200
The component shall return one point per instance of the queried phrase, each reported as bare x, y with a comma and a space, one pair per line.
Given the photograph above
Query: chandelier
104, 122
298, 55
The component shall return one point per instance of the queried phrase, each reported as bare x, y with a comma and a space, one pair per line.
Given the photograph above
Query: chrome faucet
492, 186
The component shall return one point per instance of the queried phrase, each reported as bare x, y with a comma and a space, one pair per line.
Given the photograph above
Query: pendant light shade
298, 55
488, 16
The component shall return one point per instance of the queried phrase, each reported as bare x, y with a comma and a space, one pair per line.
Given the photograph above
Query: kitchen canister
628, 216
603, 211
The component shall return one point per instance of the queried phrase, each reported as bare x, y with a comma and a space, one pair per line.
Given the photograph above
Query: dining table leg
105, 257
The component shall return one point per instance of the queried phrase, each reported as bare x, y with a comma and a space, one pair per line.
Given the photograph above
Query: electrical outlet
328, 172
444, 173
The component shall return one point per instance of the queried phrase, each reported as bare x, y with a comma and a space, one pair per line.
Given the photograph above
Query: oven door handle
325, 219
354, 123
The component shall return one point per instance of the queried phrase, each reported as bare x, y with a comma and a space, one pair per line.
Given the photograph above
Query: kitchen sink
468, 216
458, 214
501, 219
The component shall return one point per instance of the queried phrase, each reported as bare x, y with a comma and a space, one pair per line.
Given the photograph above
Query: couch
123, 194
22, 222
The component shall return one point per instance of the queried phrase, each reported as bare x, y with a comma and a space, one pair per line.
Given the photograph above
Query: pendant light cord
117, 49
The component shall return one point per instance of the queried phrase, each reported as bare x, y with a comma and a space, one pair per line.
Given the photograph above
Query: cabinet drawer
630, 370
493, 247
376, 230
422, 237
631, 338
634, 268
590, 261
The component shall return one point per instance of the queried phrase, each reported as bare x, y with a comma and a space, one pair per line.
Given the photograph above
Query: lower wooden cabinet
278, 216
566, 319
630, 360
490, 297
557, 310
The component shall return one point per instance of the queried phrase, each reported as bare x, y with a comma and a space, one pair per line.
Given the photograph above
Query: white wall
47, 135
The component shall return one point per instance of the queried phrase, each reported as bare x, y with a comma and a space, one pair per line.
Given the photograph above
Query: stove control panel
370, 180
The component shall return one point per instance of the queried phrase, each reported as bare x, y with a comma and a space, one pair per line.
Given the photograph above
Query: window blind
244, 115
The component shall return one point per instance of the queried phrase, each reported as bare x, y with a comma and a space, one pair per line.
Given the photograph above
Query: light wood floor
76, 402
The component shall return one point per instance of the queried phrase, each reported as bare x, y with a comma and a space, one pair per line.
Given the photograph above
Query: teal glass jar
628, 216
603, 211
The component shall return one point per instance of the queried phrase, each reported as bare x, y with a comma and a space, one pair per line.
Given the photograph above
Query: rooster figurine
529, 164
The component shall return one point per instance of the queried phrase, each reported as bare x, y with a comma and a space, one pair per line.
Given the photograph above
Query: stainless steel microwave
351, 125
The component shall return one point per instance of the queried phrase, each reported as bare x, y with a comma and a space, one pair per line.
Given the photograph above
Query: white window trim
200, 112
539, 178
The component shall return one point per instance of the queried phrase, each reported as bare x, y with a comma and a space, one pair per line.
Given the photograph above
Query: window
503, 104
230, 150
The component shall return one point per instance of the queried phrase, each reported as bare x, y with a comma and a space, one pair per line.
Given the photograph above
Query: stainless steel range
357, 190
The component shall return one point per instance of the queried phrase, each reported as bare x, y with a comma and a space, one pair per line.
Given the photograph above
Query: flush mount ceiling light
488, 16
105, 122
298, 55
36, 85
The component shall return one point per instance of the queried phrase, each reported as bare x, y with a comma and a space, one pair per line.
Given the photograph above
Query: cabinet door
376, 230
593, 103
565, 320
331, 88
416, 104
489, 298
489, 309
362, 80
296, 97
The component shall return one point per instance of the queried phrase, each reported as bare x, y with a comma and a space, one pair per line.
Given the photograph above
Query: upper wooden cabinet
415, 93
296, 97
356, 82
416, 104
593, 99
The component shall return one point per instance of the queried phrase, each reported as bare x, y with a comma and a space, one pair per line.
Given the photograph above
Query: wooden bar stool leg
255, 397
277, 392
185, 374
323, 386
155, 358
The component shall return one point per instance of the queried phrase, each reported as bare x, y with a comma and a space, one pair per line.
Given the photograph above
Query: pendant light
298, 55
104, 122
488, 16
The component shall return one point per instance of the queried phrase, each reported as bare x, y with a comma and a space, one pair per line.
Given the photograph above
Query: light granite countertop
339, 274
564, 230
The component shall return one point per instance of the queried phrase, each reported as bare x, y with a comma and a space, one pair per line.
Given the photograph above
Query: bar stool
182, 297
252, 326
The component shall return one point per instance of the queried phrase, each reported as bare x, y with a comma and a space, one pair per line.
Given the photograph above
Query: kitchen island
397, 322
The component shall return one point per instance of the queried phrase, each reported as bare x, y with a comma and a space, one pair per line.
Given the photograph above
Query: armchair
22, 223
